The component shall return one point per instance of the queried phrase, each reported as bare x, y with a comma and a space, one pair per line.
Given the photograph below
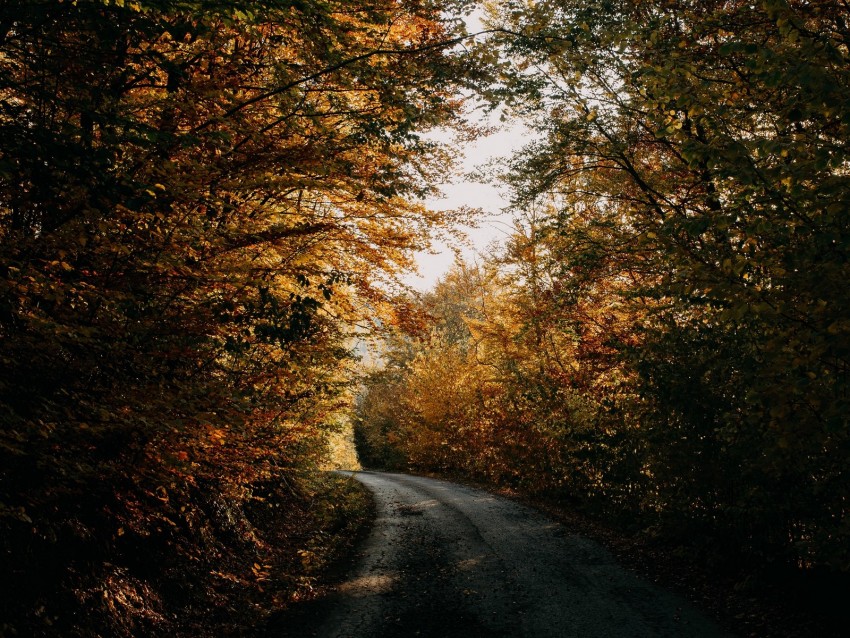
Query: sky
493, 225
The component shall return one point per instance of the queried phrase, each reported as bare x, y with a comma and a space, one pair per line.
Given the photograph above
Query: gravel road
445, 560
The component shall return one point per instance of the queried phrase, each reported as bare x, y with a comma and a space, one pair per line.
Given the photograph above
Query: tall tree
197, 201
703, 145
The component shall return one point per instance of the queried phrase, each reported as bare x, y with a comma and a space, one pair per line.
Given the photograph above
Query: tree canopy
204, 204
669, 332
199, 203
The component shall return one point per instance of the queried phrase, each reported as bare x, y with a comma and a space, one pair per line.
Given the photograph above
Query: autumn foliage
203, 205
199, 201
665, 338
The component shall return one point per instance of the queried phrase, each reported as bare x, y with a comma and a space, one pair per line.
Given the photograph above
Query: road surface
446, 561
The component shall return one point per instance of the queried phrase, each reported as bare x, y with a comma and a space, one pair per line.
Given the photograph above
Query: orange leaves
217, 435
201, 210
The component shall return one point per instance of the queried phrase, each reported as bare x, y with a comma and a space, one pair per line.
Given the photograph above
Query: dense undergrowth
225, 575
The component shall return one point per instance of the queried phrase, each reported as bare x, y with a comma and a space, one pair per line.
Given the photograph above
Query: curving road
444, 561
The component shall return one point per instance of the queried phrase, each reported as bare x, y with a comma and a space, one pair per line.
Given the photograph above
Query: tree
197, 202
702, 145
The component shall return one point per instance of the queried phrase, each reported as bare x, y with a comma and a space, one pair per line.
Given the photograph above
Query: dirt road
444, 560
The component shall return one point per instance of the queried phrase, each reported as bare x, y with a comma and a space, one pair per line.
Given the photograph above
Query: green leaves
699, 160
201, 203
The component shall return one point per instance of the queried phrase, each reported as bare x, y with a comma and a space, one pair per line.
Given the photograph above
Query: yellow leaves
165, 338
58, 264
217, 436
155, 190
307, 557
260, 572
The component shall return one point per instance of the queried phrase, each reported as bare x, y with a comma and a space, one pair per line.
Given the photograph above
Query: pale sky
493, 226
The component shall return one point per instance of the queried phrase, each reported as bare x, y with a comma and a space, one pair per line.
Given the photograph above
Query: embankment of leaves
241, 562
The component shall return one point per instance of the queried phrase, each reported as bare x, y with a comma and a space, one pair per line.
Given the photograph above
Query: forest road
445, 561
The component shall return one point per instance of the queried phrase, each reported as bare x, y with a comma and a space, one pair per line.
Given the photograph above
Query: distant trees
198, 200
672, 336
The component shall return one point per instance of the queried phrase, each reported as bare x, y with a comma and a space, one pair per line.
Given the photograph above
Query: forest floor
222, 581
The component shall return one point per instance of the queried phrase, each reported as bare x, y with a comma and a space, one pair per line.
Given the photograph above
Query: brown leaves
198, 212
